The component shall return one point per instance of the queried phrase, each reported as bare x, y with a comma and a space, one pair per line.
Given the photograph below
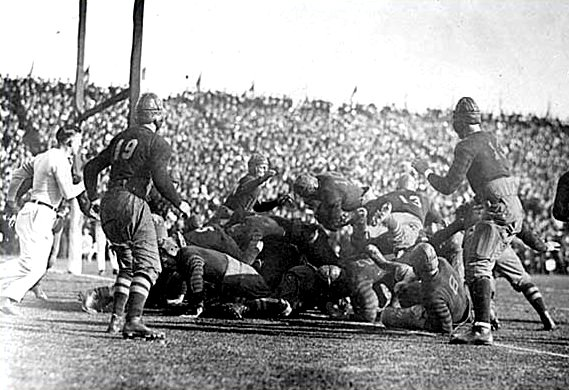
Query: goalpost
75, 217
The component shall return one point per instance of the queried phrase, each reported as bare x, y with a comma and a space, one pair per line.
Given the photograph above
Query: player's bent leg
533, 295
481, 332
414, 317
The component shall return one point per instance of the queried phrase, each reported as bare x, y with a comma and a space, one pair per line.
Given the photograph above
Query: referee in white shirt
52, 182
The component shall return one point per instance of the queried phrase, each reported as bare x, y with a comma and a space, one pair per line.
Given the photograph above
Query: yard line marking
532, 350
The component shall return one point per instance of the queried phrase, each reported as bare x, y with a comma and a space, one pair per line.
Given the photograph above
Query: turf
54, 345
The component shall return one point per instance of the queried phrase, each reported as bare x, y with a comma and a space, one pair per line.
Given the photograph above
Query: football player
480, 158
561, 201
444, 302
137, 157
333, 197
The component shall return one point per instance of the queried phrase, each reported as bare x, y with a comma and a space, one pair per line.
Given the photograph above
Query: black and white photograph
284, 194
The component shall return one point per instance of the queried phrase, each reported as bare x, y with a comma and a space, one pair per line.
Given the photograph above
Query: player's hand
286, 200
10, 213
421, 166
271, 173
185, 208
552, 246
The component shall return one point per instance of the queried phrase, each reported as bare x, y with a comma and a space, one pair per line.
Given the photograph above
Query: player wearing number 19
480, 159
138, 157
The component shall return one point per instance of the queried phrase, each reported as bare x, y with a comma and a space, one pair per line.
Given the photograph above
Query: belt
43, 204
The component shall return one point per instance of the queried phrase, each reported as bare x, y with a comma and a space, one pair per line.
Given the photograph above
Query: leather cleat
116, 324
477, 335
135, 329
547, 321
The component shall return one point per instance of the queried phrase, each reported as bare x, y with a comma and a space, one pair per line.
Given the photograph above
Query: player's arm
447, 232
561, 202
22, 180
531, 239
160, 175
365, 302
440, 315
463, 158
248, 184
92, 169
64, 178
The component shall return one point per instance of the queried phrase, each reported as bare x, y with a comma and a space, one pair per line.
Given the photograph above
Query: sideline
537, 351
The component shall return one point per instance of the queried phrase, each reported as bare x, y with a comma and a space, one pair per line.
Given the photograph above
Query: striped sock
139, 289
120, 295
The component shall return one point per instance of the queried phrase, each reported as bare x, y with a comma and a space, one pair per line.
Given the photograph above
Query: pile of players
397, 263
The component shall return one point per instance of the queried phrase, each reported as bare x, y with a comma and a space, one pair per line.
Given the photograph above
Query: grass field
54, 345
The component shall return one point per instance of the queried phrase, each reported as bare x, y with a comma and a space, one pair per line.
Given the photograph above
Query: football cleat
233, 311
135, 329
547, 321
286, 309
477, 335
116, 324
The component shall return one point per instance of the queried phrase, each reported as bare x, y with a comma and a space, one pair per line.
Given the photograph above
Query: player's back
334, 187
131, 153
489, 159
446, 287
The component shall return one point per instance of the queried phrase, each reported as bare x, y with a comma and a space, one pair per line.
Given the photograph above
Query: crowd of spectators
214, 133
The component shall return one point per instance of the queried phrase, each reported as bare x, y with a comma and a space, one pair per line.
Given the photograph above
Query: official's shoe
477, 335
39, 293
547, 321
88, 302
116, 324
8, 307
134, 328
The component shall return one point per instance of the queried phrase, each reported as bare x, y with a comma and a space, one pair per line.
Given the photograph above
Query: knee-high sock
139, 289
481, 297
533, 295
121, 292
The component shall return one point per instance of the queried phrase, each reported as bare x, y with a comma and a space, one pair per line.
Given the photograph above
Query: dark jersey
445, 298
361, 276
561, 202
478, 157
334, 196
137, 157
200, 264
403, 201
246, 194
214, 237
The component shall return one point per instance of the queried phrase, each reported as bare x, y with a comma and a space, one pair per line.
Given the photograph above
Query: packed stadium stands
214, 133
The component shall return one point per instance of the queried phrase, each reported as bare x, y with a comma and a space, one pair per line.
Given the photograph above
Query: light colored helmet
149, 109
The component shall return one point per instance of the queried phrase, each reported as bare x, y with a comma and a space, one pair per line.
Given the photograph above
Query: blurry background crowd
214, 133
